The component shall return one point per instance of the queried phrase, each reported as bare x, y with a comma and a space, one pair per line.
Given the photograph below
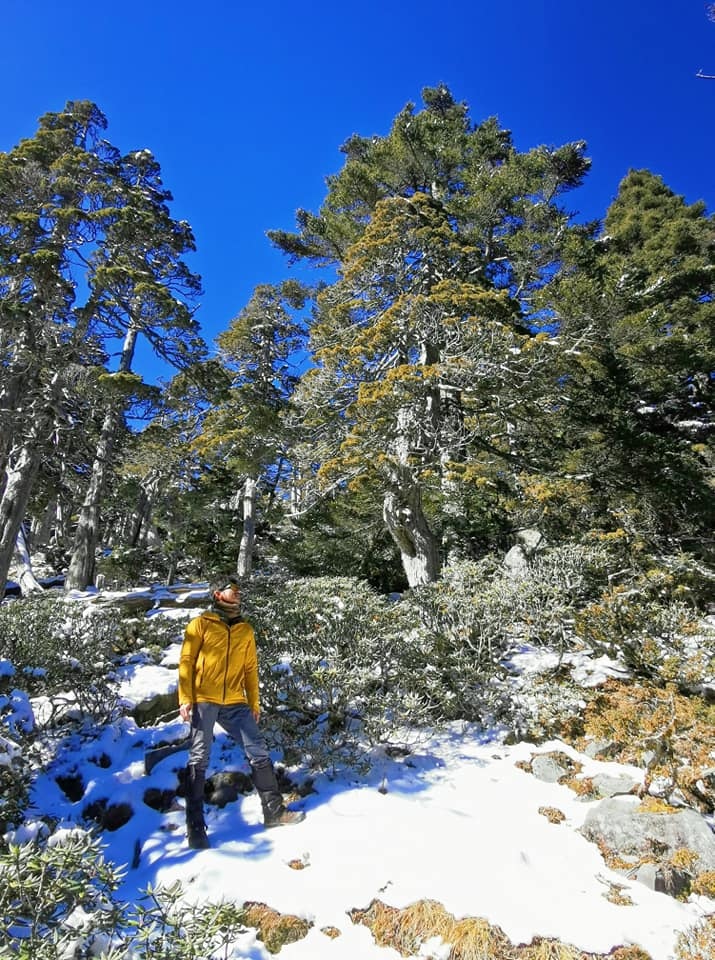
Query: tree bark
20, 474
22, 562
403, 513
408, 526
81, 569
142, 512
248, 539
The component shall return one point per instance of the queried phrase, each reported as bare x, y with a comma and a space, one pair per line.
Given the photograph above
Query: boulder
608, 785
630, 831
547, 768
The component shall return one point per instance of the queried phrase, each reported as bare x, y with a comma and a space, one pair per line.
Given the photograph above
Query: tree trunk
81, 569
42, 527
408, 526
171, 573
142, 512
20, 475
23, 564
403, 513
452, 451
248, 539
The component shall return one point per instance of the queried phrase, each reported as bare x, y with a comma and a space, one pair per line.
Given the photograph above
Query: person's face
229, 594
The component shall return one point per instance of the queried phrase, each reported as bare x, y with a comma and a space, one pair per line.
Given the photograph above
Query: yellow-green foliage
673, 733
698, 943
704, 884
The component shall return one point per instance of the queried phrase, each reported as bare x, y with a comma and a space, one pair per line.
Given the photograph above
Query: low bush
58, 899
658, 728
656, 638
64, 651
340, 664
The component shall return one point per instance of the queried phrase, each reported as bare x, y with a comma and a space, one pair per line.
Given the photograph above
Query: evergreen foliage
427, 349
65, 653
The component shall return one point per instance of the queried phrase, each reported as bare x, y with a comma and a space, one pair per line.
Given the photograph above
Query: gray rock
663, 879
530, 540
547, 769
516, 563
631, 832
600, 748
608, 785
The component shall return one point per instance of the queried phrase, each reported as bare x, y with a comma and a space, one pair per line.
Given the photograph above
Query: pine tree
140, 286
53, 195
637, 318
245, 429
88, 254
427, 345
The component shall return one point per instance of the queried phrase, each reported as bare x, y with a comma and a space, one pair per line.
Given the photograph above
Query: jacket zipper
228, 653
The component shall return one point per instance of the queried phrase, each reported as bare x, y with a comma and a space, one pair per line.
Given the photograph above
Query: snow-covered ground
456, 821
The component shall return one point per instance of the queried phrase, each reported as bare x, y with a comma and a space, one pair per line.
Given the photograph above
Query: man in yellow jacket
218, 683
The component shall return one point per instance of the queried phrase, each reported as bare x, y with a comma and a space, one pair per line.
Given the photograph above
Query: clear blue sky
245, 105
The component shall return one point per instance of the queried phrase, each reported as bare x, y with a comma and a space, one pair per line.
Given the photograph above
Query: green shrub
339, 663
64, 651
43, 885
58, 900
655, 638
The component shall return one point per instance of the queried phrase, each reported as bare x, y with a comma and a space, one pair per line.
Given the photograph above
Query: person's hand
256, 714
185, 711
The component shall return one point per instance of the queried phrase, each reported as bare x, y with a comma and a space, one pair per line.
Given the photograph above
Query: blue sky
245, 105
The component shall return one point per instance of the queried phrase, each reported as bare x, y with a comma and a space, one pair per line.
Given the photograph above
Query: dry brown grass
471, 938
629, 953
616, 895
549, 950
552, 814
274, 929
704, 885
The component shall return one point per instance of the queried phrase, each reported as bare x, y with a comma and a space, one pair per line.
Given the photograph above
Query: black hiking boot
282, 817
275, 813
195, 824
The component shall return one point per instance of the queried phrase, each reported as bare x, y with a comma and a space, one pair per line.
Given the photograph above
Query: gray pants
238, 722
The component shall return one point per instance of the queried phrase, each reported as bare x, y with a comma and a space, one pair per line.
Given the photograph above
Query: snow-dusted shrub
150, 635
339, 663
698, 942
468, 622
50, 890
655, 638
64, 651
58, 900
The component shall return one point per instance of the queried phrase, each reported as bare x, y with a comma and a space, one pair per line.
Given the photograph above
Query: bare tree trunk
23, 565
81, 569
143, 509
41, 529
171, 574
403, 512
408, 526
248, 539
20, 473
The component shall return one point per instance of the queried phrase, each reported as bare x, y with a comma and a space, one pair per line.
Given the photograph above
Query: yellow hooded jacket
218, 662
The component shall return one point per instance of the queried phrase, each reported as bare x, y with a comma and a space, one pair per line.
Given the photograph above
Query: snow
456, 821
